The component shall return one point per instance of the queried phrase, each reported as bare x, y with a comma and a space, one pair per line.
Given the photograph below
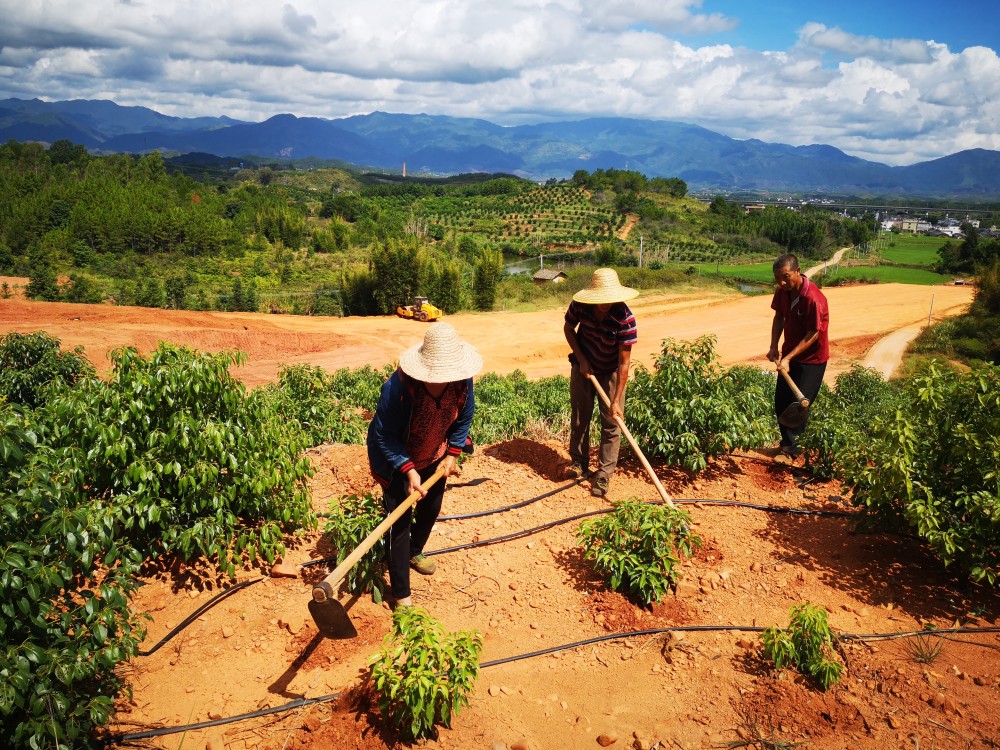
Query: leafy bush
188, 461
932, 465
169, 455
350, 521
638, 546
507, 405
423, 675
65, 623
807, 643
31, 362
840, 419
331, 408
689, 409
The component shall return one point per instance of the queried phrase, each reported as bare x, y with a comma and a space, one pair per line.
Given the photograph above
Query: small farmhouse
547, 276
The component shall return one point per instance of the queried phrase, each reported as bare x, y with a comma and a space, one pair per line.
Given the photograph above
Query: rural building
546, 276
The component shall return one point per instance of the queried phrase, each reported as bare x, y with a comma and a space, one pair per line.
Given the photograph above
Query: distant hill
449, 145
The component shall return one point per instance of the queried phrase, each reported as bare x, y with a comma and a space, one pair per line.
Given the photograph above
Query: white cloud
895, 100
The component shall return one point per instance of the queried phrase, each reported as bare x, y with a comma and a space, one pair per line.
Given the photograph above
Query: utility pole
541, 262
640, 251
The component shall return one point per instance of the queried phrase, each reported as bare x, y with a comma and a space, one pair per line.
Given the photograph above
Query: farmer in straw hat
601, 331
422, 422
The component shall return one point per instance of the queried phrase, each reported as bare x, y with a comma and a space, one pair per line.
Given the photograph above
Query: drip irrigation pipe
198, 612
300, 702
506, 508
162, 731
486, 542
689, 501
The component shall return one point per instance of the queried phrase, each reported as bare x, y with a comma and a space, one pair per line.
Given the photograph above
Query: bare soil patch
260, 648
531, 342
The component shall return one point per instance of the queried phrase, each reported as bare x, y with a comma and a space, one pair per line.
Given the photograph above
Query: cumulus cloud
893, 100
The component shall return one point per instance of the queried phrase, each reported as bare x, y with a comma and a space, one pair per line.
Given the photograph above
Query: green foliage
690, 409
488, 272
350, 521
187, 460
807, 644
840, 419
931, 466
423, 675
32, 363
170, 455
330, 407
512, 406
396, 274
638, 547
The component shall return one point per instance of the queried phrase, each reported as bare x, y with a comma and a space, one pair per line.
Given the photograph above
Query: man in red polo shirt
802, 315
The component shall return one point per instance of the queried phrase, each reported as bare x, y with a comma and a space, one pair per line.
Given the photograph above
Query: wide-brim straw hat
442, 358
605, 288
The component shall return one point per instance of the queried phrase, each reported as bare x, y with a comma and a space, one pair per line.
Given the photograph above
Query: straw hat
604, 288
442, 358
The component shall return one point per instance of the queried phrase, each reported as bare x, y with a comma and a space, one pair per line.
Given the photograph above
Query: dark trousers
808, 378
581, 398
407, 537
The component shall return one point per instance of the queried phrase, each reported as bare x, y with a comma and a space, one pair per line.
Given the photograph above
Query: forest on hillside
136, 230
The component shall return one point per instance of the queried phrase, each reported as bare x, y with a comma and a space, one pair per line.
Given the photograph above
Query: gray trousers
581, 399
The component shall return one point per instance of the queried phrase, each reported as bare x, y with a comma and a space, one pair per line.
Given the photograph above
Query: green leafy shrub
351, 520
330, 407
65, 623
30, 363
840, 419
508, 405
638, 547
807, 644
423, 675
931, 466
689, 409
189, 461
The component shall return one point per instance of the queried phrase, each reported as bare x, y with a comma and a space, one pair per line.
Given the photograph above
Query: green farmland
912, 250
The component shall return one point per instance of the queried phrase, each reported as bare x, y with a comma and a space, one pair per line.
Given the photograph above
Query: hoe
328, 613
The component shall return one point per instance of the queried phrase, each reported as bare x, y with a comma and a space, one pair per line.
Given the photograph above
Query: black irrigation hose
688, 501
300, 702
768, 508
197, 613
161, 731
485, 542
506, 508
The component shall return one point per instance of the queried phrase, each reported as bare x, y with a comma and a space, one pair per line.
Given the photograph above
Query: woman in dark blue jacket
421, 423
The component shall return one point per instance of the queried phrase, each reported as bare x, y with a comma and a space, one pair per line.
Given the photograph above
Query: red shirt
430, 420
804, 311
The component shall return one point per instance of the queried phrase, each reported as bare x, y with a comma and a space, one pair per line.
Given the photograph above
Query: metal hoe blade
794, 415
331, 619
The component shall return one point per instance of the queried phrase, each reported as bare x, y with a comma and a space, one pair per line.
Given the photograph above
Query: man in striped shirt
601, 331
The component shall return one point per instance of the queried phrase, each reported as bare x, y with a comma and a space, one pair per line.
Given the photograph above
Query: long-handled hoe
635, 447
329, 614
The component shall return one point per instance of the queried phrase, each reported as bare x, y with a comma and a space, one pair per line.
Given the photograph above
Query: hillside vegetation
140, 231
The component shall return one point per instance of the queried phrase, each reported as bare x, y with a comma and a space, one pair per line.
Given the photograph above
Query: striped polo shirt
600, 341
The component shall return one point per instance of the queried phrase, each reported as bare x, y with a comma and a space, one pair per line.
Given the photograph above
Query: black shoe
599, 488
575, 471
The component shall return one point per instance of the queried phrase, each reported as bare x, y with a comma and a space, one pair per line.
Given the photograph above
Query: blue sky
895, 82
774, 24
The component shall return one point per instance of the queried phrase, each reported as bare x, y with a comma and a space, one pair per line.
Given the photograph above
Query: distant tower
404, 170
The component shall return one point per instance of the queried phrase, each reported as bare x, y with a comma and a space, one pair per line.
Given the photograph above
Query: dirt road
532, 342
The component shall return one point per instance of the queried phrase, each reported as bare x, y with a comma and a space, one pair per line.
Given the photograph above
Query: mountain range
440, 145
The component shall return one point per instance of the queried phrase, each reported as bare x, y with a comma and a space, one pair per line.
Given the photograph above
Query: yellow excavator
421, 309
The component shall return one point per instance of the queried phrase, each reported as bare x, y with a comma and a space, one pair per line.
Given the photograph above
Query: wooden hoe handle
635, 447
326, 588
803, 401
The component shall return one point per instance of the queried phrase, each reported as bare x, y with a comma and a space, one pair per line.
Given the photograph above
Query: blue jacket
390, 427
